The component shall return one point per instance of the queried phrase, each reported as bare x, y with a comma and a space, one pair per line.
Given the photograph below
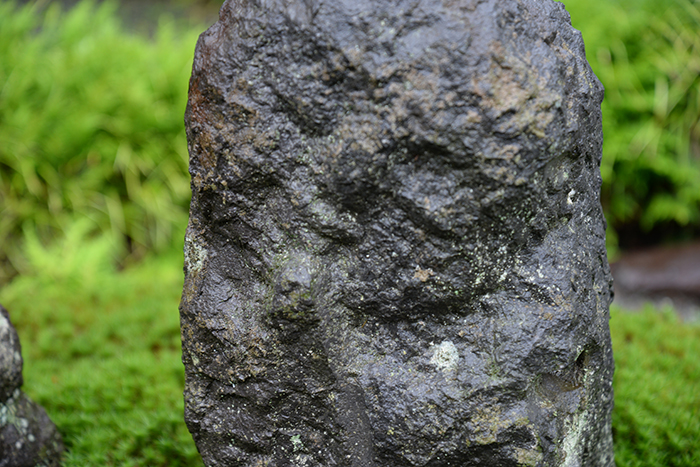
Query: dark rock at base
396, 251
28, 438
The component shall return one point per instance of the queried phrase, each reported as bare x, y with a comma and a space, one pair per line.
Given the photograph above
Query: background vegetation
647, 55
91, 129
93, 205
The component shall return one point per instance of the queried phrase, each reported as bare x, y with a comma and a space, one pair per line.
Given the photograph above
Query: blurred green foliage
647, 54
91, 128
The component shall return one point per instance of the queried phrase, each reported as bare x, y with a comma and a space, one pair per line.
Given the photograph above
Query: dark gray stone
28, 438
396, 251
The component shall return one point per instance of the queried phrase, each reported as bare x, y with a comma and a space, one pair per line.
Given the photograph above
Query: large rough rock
396, 254
28, 438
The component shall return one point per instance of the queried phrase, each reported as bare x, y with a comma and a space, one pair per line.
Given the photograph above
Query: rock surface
28, 438
396, 252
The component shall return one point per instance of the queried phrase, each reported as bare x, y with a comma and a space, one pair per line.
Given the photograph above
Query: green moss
657, 382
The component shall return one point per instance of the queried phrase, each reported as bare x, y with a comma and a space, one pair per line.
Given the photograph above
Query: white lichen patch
195, 255
10, 415
445, 356
7, 358
302, 460
4, 325
572, 444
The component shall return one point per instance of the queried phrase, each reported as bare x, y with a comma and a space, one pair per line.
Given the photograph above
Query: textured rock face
396, 254
28, 438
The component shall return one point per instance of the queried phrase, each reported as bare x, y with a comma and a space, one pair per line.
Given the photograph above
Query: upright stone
396, 251
28, 438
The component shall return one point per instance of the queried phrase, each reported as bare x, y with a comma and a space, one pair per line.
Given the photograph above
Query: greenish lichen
529, 457
297, 445
9, 416
571, 445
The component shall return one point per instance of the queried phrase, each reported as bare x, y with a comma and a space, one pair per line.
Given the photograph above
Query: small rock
28, 438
